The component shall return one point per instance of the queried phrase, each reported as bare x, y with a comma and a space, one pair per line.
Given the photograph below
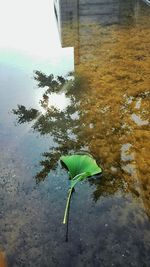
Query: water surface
101, 108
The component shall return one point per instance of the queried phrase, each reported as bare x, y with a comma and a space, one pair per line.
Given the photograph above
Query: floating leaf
80, 167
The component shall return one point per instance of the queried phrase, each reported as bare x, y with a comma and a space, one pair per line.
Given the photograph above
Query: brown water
104, 110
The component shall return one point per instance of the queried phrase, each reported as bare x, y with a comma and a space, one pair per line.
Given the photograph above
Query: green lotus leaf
80, 167
78, 164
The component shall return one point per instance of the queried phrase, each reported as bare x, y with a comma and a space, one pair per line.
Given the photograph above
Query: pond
92, 95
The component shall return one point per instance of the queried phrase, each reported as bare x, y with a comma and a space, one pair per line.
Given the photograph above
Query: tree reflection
70, 130
108, 110
25, 115
59, 124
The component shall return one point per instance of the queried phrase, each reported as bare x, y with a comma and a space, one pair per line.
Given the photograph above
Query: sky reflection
29, 36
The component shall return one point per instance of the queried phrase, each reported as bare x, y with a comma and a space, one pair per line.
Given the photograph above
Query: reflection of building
66, 12
74, 18
71, 15
103, 12
114, 61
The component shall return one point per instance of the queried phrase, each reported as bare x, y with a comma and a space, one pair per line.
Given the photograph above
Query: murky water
102, 108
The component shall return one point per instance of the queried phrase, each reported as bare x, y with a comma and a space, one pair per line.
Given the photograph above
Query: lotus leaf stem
67, 206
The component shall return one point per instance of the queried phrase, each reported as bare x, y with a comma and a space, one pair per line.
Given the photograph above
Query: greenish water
101, 108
